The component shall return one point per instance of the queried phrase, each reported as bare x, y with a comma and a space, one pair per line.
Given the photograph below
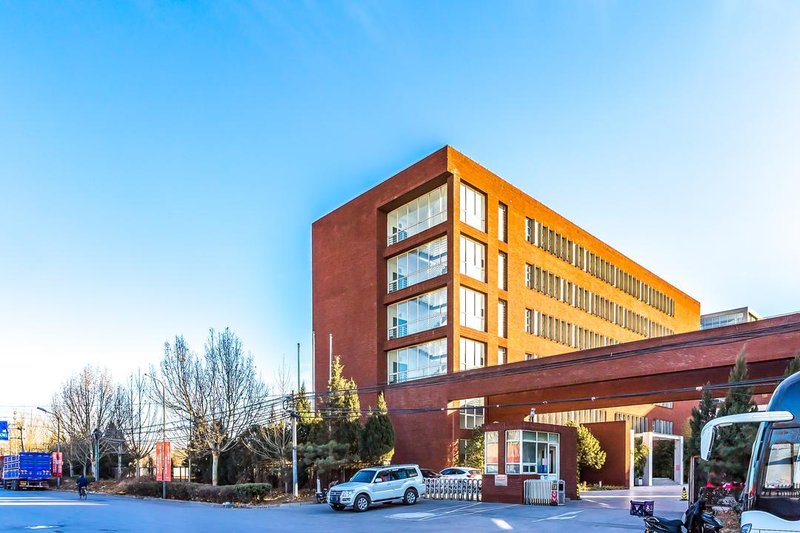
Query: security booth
515, 452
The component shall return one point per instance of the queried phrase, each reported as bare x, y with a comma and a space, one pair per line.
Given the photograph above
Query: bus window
779, 493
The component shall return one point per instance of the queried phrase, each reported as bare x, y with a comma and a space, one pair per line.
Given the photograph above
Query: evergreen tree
590, 453
640, 453
376, 444
735, 442
333, 440
474, 456
794, 366
705, 411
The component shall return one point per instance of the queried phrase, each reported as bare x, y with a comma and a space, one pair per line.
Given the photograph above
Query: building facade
728, 318
445, 267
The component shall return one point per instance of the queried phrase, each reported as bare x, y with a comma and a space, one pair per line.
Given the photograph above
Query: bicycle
83, 493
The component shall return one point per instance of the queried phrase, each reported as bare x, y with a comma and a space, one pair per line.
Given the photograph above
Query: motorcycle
695, 520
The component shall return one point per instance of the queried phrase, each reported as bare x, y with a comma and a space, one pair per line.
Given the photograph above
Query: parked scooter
695, 520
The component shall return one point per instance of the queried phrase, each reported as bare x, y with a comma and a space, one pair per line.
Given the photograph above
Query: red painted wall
614, 438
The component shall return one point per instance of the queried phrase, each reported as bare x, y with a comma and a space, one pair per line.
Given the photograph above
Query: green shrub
143, 487
210, 493
251, 492
181, 490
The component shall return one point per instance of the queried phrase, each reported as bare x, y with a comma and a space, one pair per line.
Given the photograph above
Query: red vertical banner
163, 462
56, 464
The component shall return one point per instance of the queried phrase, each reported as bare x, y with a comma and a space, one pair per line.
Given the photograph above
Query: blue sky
161, 163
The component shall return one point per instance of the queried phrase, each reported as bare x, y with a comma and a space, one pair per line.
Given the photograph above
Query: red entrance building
446, 268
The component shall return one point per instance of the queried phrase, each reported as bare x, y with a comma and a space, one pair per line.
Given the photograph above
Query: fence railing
443, 488
541, 492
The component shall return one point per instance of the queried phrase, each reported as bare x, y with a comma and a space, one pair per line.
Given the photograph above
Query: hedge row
243, 493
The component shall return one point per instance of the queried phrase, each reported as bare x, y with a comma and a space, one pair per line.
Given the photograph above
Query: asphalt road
63, 512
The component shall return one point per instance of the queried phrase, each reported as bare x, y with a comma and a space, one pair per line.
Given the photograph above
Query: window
417, 215
502, 329
470, 413
473, 258
781, 478
502, 271
473, 207
530, 356
532, 452
418, 361
473, 354
528, 321
502, 222
417, 265
462, 450
529, 230
662, 426
473, 309
424, 312
490, 452
501, 355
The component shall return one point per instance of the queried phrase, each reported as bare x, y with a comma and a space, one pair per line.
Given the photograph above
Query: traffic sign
3, 430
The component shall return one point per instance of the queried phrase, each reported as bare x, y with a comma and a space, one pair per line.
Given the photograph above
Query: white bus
771, 501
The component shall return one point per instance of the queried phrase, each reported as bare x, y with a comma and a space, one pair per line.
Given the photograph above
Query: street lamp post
58, 438
163, 434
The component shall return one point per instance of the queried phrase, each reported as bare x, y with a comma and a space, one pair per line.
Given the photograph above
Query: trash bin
642, 507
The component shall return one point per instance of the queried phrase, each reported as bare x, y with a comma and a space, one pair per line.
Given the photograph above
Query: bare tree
272, 441
182, 373
137, 418
221, 394
86, 404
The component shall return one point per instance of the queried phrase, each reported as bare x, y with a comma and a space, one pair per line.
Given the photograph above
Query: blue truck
26, 470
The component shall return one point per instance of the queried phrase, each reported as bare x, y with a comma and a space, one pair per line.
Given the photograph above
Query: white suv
378, 484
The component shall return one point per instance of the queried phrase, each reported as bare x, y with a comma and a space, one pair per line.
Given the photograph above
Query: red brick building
445, 268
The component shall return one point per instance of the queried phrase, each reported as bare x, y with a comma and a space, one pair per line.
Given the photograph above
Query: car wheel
337, 507
361, 503
410, 497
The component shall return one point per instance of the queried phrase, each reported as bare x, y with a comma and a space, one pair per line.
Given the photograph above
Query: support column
647, 479
632, 470
679, 477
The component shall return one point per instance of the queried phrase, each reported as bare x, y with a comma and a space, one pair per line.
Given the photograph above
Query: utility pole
313, 387
330, 356
294, 450
58, 440
294, 428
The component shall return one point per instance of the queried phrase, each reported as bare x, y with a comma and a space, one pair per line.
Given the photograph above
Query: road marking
458, 508
502, 524
410, 516
564, 516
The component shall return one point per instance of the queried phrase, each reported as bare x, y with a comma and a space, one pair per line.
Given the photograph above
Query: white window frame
472, 258
410, 356
473, 207
416, 216
472, 353
472, 308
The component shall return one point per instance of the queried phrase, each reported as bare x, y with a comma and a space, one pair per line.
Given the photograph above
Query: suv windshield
363, 476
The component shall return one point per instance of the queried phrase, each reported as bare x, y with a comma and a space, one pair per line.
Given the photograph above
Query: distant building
728, 318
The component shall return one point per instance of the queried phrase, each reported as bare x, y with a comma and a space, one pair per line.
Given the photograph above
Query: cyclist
82, 484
